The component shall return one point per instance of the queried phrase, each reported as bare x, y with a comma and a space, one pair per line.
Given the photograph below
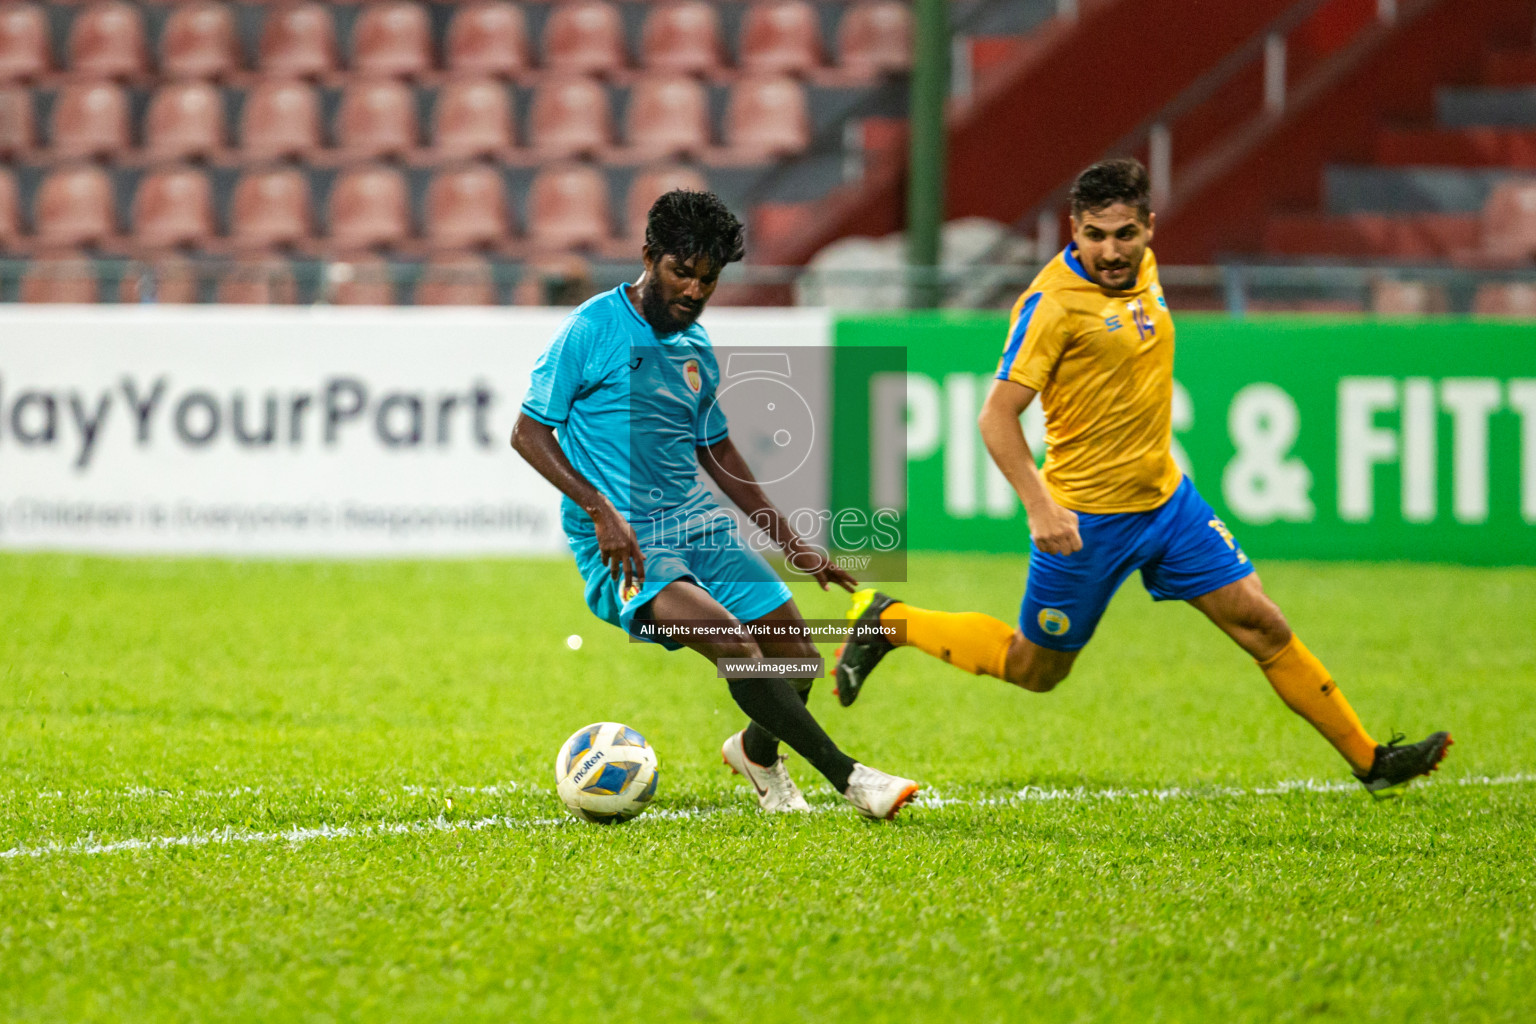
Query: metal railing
1236, 288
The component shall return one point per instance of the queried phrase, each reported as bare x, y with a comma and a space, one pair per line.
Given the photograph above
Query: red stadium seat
467, 209
280, 120
258, 281
10, 211
90, 119
875, 38
456, 281
362, 280
24, 49
668, 116
1391, 297
392, 38
199, 42
74, 207
185, 121
173, 209
1509, 222
488, 38
766, 118
298, 41
570, 117
584, 37
781, 36
683, 37
649, 186
556, 279
472, 118
60, 276
369, 208
376, 119
1516, 300
17, 131
164, 279
106, 40
271, 210
568, 208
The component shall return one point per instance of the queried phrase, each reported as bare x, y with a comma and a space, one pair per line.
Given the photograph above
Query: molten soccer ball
606, 773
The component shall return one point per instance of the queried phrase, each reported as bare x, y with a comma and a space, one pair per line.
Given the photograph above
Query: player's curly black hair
1123, 180
688, 224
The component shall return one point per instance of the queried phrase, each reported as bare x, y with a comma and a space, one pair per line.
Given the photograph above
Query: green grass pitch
266, 791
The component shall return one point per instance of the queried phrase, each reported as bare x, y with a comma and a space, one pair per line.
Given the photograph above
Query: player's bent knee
1035, 668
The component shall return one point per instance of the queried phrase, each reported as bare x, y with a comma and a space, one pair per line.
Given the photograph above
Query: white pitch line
1029, 794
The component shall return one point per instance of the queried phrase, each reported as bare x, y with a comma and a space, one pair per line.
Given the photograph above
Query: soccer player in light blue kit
619, 416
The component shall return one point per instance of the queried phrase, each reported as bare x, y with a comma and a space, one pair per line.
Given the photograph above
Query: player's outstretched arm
727, 468
1053, 527
536, 443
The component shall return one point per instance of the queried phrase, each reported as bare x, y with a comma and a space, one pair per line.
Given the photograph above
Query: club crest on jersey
628, 593
1054, 621
693, 376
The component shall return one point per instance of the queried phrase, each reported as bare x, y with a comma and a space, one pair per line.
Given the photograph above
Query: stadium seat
668, 116
766, 118
650, 185
875, 38
584, 37
570, 117
1509, 222
90, 119
106, 40
10, 211
24, 50
361, 280
472, 118
392, 38
17, 131
173, 209
488, 38
467, 209
456, 281
280, 120
59, 276
781, 36
74, 207
258, 281
369, 208
376, 119
1505, 300
271, 210
558, 279
1391, 297
298, 41
199, 42
568, 208
164, 279
185, 121
683, 37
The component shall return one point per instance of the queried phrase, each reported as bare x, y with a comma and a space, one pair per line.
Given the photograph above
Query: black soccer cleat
857, 658
1395, 766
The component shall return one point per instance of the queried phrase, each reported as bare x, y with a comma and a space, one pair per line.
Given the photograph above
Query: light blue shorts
712, 556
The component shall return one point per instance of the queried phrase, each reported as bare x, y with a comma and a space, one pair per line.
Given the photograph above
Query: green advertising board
1314, 438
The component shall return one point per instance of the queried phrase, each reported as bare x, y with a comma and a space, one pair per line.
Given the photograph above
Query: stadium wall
1313, 438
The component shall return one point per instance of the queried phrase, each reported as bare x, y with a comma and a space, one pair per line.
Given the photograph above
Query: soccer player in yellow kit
1092, 337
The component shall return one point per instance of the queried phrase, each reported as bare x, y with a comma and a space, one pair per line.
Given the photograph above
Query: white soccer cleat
877, 795
776, 791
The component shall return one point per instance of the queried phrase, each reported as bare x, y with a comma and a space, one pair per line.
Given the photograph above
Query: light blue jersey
629, 409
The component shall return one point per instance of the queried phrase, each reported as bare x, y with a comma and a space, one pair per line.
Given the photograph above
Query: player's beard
658, 312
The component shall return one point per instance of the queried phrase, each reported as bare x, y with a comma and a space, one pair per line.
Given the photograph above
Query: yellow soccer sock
1307, 689
967, 640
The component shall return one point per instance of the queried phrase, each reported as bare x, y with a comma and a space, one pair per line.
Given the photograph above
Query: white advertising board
287, 432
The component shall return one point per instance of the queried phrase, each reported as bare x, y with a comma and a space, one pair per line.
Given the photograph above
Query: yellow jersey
1102, 362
